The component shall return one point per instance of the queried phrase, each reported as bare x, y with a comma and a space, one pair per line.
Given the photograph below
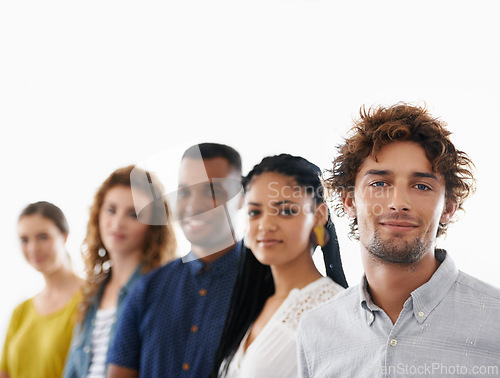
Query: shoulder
321, 290
344, 299
23, 308
157, 276
306, 299
469, 285
153, 284
20, 312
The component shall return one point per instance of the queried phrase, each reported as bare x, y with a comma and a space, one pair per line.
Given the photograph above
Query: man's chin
396, 251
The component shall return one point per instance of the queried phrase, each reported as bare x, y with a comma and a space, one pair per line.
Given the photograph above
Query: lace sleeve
306, 299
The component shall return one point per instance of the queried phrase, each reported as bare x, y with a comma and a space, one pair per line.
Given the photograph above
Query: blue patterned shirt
448, 327
173, 319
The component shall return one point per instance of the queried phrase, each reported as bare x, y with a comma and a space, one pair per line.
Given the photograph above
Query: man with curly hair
400, 180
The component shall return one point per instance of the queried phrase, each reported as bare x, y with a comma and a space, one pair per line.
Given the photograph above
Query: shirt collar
224, 264
366, 301
426, 297
137, 273
429, 295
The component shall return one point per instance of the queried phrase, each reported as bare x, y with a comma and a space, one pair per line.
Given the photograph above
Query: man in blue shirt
173, 319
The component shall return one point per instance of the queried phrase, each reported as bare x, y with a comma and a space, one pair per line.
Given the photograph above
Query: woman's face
281, 216
121, 232
42, 243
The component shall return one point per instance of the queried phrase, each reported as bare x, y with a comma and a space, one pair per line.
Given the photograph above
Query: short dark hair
214, 150
49, 211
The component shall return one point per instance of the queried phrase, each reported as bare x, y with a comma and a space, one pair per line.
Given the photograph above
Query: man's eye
182, 193
378, 184
422, 187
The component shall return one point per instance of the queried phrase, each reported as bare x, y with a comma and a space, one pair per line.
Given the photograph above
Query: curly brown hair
379, 126
160, 244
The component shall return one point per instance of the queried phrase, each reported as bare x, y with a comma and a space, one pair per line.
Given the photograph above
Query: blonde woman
119, 249
40, 329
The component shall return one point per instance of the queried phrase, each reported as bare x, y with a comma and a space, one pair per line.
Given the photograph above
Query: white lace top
272, 353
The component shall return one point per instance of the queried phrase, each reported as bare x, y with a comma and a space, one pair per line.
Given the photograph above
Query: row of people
233, 308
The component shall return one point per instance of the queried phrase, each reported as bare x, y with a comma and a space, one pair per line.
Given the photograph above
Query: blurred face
399, 201
42, 243
121, 232
280, 219
207, 203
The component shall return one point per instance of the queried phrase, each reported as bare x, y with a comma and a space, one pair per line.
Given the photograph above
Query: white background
87, 87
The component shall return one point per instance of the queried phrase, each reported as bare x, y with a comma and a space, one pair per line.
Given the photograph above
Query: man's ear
321, 214
349, 204
448, 212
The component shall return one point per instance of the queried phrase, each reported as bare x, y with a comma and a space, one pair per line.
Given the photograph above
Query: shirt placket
194, 340
394, 367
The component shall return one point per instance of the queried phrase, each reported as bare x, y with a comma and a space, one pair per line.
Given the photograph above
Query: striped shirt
100, 342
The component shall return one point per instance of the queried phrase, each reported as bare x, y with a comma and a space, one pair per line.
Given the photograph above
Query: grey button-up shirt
450, 326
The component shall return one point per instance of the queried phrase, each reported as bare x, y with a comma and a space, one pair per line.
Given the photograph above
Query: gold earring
319, 236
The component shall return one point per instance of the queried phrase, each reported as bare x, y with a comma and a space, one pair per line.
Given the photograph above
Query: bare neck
296, 274
390, 285
61, 280
123, 268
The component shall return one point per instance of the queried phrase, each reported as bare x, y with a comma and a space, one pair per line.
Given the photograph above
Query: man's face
398, 201
206, 204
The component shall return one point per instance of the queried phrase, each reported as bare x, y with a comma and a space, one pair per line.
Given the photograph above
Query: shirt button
371, 317
185, 366
421, 314
194, 328
86, 349
202, 292
393, 342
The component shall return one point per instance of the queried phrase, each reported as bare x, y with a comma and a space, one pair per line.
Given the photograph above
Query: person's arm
15, 321
115, 371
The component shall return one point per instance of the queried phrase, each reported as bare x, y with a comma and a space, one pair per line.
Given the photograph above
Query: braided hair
255, 283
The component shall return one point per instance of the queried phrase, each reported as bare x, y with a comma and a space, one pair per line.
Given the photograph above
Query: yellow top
36, 345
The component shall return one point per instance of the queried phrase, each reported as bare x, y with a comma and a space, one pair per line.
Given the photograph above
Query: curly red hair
160, 242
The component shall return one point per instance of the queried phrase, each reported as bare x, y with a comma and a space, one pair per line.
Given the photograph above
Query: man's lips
194, 223
400, 226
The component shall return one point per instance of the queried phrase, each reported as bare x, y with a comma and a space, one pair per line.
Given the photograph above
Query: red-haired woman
121, 245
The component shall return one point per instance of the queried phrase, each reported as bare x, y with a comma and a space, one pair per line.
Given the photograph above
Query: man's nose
399, 199
198, 203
